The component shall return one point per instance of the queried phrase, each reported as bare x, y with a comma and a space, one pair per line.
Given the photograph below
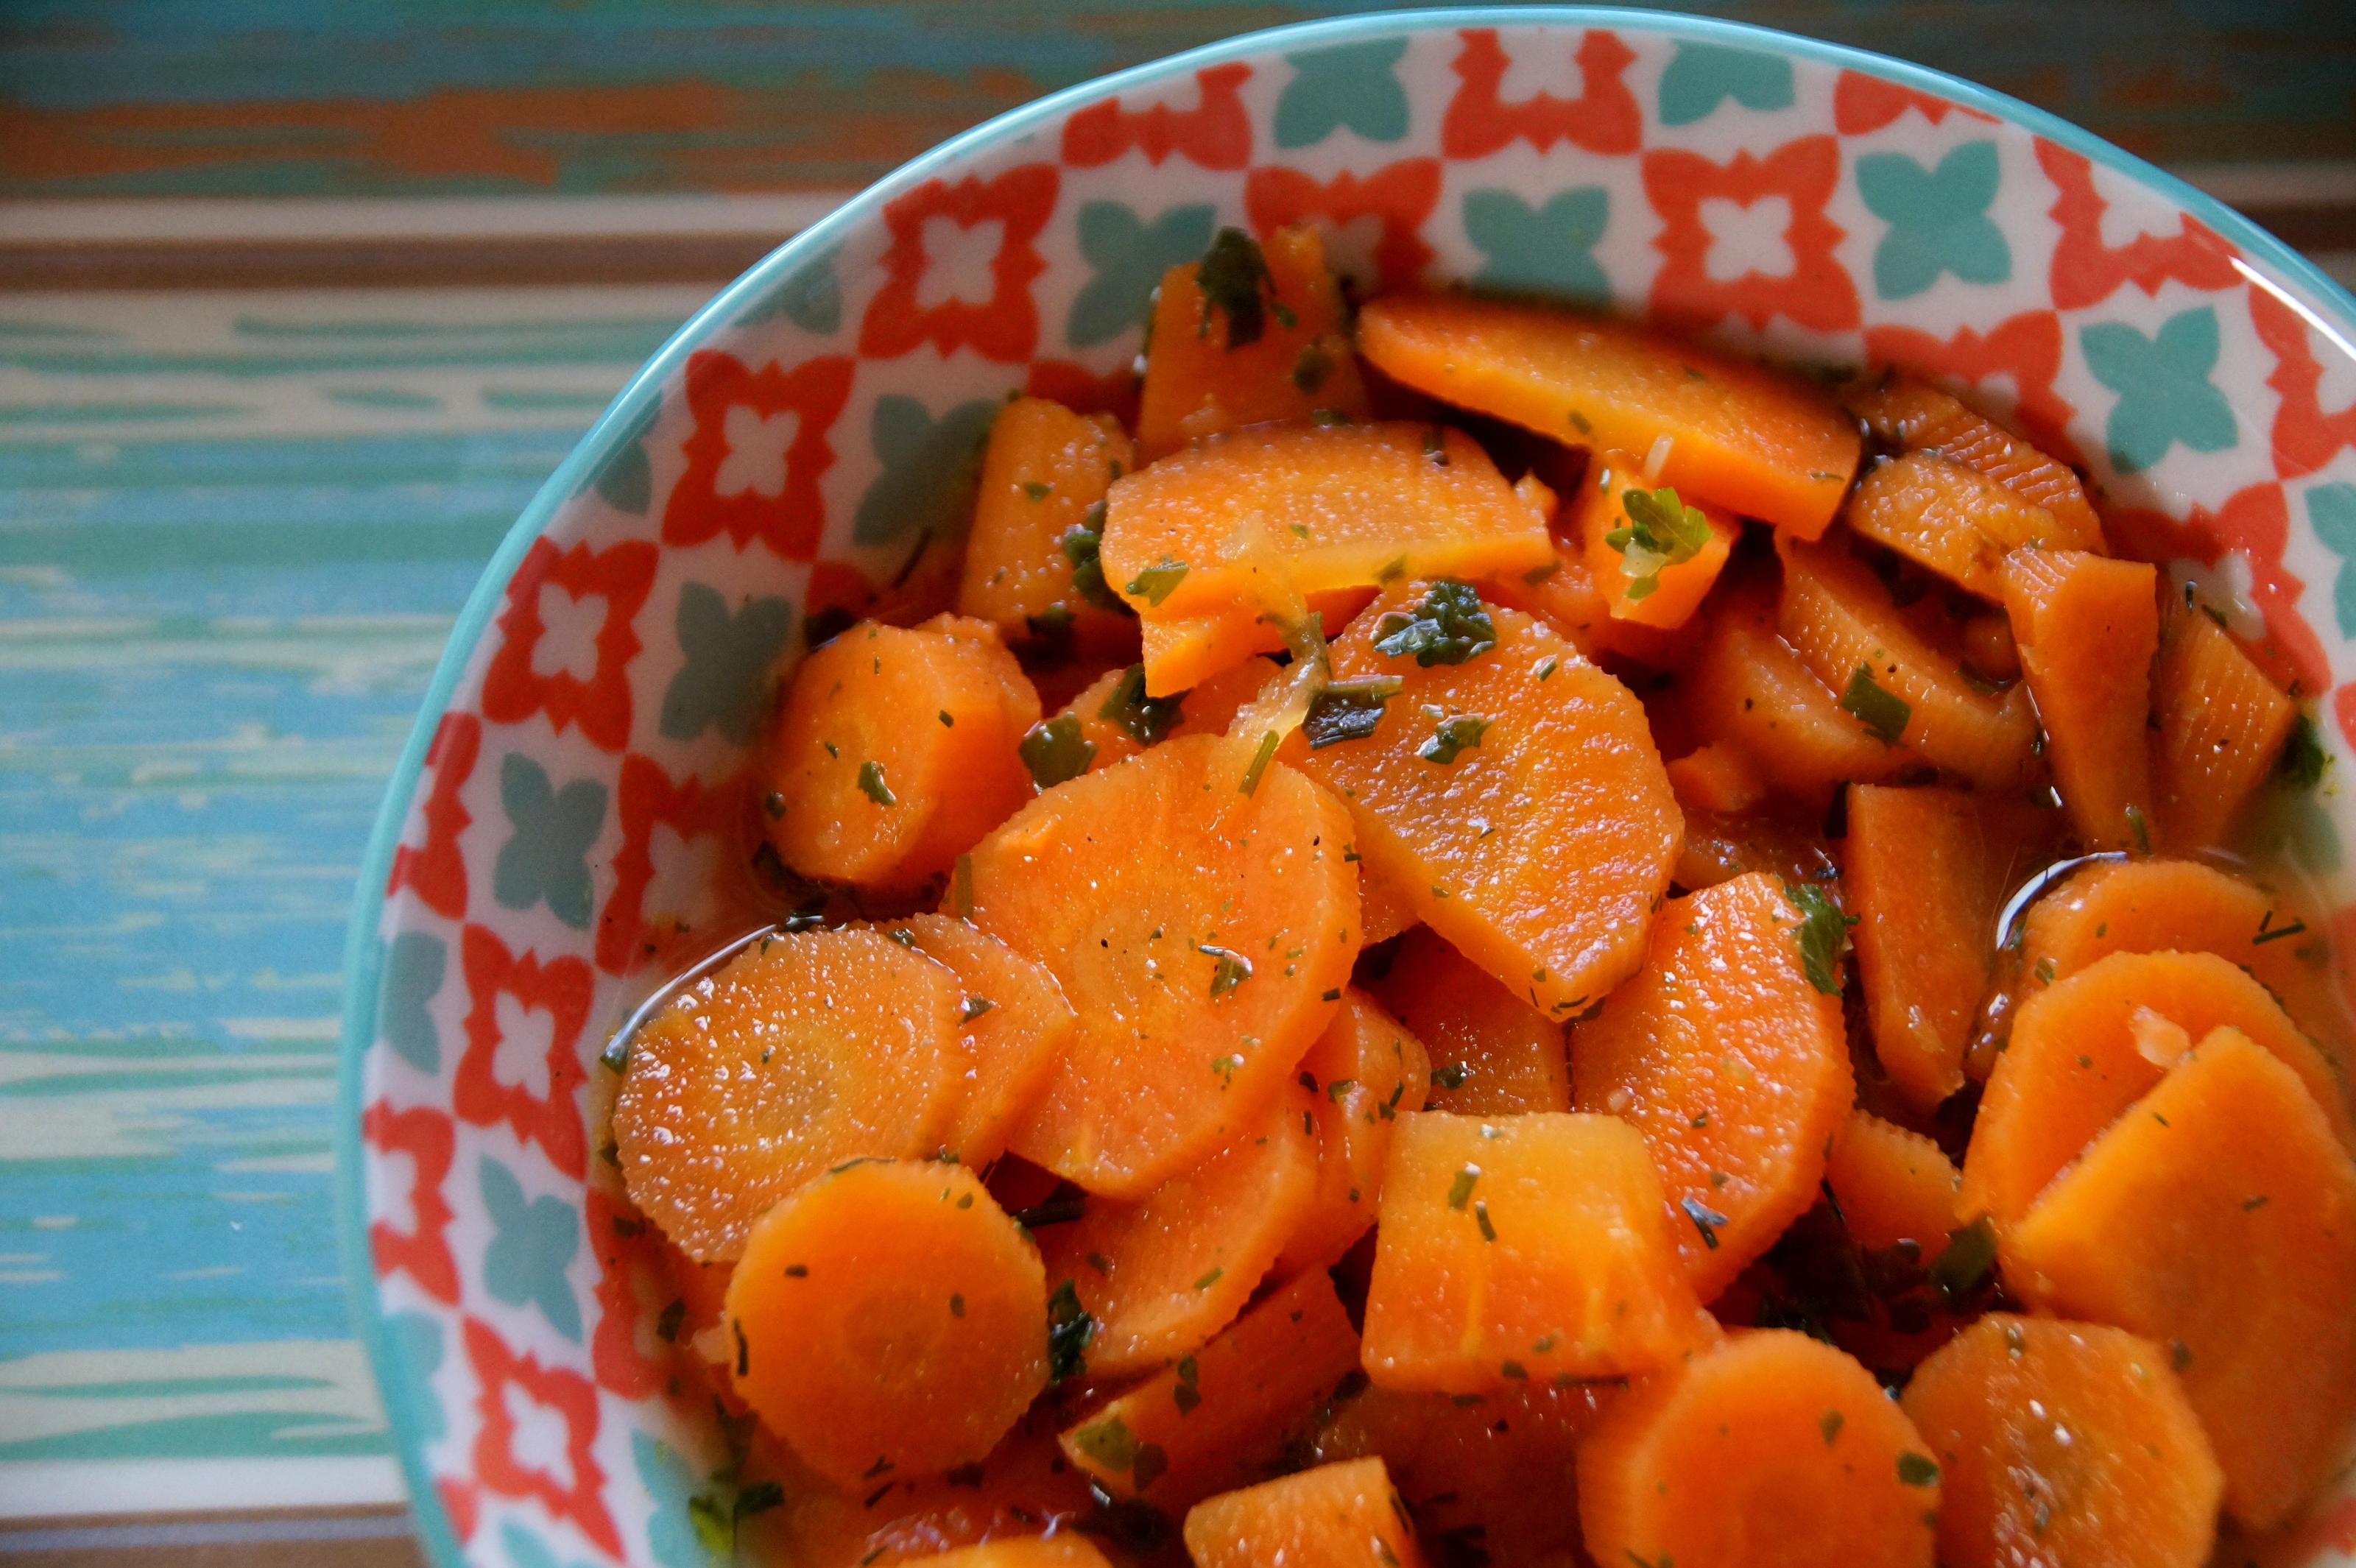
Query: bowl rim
362, 957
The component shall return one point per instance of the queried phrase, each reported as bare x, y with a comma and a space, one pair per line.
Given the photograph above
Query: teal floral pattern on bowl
559, 830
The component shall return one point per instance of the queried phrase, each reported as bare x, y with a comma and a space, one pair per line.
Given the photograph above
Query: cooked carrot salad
1490, 937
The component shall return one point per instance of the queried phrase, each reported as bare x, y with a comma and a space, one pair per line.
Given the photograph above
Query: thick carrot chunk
1491, 1472
1770, 1449
1753, 441
1363, 1071
1897, 685
1028, 559
2221, 728
1015, 1025
1220, 1418
2064, 1443
1522, 1247
1529, 817
889, 1316
1893, 1186
1162, 1276
1654, 554
1716, 778
2086, 626
1918, 415
805, 1049
1749, 691
1727, 1053
1336, 1516
2089, 1046
1254, 519
1250, 333
1195, 931
1384, 907
1069, 1549
859, 793
1926, 872
1955, 520
1185, 652
2218, 1217
1495, 1054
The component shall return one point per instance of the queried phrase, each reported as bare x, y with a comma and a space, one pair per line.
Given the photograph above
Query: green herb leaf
2303, 756
1661, 531
1209, 1279
2140, 827
1144, 720
1069, 1329
1349, 710
1705, 1218
872, 784
1108, 1442
1231, 276
1452, 1076
1155, 582
1250, 785
1451, 736
1966, 1260
1883, 713
1460, 1190
1830, 1424
1916, 1469
1480, 1218
1054, 751
1035, 491
1189, 1392
1449, 626
1083, 545
2268, 931
1822, 933
1309, 370
974, 1007
1233, 968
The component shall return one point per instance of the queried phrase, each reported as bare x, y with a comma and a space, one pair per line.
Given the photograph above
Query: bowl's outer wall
561, 818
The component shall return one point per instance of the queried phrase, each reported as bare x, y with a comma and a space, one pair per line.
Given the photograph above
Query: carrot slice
2221, 728
1336, 1516
1840, 620
1955, 520
1015, 1024
1926, 872
2083, 1050
1194, 928
1496, 1055
861, 794
1363, 1071
1185, 652
1716, 778
1916, 414
1772, 1448
1755, 442
2064, 1443
1220, 1418
1112, 718
1893, 1186
1522, 1247
1532, 825
2218, 1215
1069, 1549
1615, 503
1268, 340
1481, 1472
1256, 517
806, 1050
1749, 691
889, 1316
2156, 906
1043, 478
1562, 593
1384, 907
1160, 1276
1727, 1053
2087, 626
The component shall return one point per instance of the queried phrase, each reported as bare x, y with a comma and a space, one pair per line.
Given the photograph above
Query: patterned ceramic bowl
556, 833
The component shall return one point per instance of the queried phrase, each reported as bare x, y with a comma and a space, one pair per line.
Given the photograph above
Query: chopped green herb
2251, 1205
1883, 713
1916, 1469
1188, 1394
2141, 828
2269, 932
1083, 545
1480, 1218
1349, 710
1705, 1218
2303, 756
667, 1325
1459, 1191
1054, 751
1309, 370
1452, 1076
773, 805
1513, 1369
1231, 276
1830, 1424
957, 1304
1144, 720
1547, 666
1822, 934
1435, 446
1225, 1066
1259, 762
1069, 1329
1209, 1279
1035, 490
947, 722
974, 1007
1661, 531
1232, 968
1966, 1260
1156, 582
902, 935
1539, 574
1449, 626
872, 784
1452, 736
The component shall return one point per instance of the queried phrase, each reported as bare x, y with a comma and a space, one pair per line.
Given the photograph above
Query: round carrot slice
1202, 932
1772, 1451
2064, 1443
1015, 1021
889, 1318
805, 1049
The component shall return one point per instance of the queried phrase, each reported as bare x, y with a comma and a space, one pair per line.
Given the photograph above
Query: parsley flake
1232, 968
1966, 1260
1035, 490
1883, 712
1069, 1329
974, 1007
1309, 370
1661, 531
1449, 626
1144, 720
1705, 1218
1916, 1469
1083, 545
1822, 934
1348, 711
1459, 1191
1231, 276
2303, 756
1830, 1424
1155, 582
1054, 751
1452, 736
872, 784
2269, 932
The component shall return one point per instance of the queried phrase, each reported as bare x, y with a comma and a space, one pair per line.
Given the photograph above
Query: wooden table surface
302, 301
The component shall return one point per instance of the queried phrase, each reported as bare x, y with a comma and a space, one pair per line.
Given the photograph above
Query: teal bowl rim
361, 955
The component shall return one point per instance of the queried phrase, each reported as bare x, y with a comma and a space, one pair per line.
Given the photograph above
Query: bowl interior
559, 834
